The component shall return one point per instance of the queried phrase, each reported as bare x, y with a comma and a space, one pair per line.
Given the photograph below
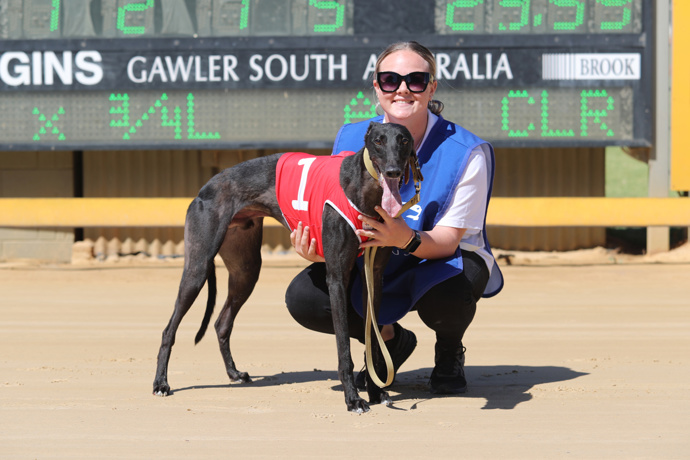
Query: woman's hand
390, 232
436, 243
305, 246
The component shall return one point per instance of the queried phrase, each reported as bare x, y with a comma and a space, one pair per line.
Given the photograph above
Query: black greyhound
226, 218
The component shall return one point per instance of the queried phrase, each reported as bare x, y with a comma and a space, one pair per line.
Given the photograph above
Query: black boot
400, 347
448, 376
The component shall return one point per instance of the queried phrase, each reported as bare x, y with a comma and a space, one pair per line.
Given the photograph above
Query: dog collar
369, 164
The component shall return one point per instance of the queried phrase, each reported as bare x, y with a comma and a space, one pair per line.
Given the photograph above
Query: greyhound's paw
240, 377
161, 390
381, 398
358, 406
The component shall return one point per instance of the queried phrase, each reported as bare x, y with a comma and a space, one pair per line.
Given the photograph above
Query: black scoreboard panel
90, 74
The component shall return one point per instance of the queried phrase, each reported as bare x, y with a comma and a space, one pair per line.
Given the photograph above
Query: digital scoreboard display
126, 74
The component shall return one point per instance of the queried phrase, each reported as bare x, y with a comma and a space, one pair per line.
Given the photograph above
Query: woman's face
403, 105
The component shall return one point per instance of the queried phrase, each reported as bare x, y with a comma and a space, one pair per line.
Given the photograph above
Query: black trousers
448, 308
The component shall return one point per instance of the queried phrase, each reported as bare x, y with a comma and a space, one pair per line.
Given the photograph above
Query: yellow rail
520, 212
589, 212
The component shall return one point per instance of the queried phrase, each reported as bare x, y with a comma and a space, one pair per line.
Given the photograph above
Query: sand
572, 360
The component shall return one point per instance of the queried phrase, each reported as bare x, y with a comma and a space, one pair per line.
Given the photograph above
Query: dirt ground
587, 357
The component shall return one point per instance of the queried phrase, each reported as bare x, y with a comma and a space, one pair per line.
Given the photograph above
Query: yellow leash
369, 255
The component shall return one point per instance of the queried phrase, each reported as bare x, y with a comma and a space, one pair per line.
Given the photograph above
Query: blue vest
442, 159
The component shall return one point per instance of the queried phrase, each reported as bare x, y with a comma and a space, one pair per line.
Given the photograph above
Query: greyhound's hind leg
202, 240
193, 279
241, 253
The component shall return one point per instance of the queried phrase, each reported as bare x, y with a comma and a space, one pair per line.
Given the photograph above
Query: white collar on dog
369, 164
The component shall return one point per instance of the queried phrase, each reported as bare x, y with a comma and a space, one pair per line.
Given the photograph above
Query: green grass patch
625, 176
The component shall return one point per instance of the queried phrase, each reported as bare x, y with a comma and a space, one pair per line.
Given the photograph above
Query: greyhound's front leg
337, 290
340, 247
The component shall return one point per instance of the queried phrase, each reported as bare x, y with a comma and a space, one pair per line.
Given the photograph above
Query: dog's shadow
503, 387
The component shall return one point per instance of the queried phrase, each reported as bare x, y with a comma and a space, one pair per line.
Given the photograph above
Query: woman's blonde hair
435, 106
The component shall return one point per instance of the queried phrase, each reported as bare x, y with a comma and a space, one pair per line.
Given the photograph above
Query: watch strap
414, 243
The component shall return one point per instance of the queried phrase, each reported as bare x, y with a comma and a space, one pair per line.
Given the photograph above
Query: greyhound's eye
405, 141
377, 141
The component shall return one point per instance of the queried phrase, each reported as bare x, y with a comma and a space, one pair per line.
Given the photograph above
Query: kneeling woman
443, 264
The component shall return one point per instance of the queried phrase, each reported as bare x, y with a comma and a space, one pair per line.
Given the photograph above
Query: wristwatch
414, 243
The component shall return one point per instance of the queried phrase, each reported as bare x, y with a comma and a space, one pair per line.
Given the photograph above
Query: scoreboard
187, 74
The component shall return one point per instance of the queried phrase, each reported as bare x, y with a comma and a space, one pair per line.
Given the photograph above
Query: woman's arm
436, 243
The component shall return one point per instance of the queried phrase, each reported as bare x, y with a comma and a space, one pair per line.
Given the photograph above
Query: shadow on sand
503, 387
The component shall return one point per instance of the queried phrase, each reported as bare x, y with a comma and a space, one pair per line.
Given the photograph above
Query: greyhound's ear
371, 126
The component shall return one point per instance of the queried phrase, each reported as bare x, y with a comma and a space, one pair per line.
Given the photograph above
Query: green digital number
579, 14
450, 14
244, 14
329, 5
55, 16
524, 14
168, 120
132, 7
625, 20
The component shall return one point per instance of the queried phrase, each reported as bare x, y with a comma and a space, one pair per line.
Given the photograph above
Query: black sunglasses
390, 81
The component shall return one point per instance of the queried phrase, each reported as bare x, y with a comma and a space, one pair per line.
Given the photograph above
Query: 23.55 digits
538, 16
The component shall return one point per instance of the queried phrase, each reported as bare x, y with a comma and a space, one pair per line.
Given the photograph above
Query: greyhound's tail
210, 303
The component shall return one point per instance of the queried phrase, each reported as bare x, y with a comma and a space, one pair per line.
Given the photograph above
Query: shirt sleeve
468, 205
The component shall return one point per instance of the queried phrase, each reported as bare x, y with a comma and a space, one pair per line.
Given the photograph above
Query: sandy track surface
580, 361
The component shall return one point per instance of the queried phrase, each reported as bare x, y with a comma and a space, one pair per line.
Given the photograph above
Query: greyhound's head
390, 148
